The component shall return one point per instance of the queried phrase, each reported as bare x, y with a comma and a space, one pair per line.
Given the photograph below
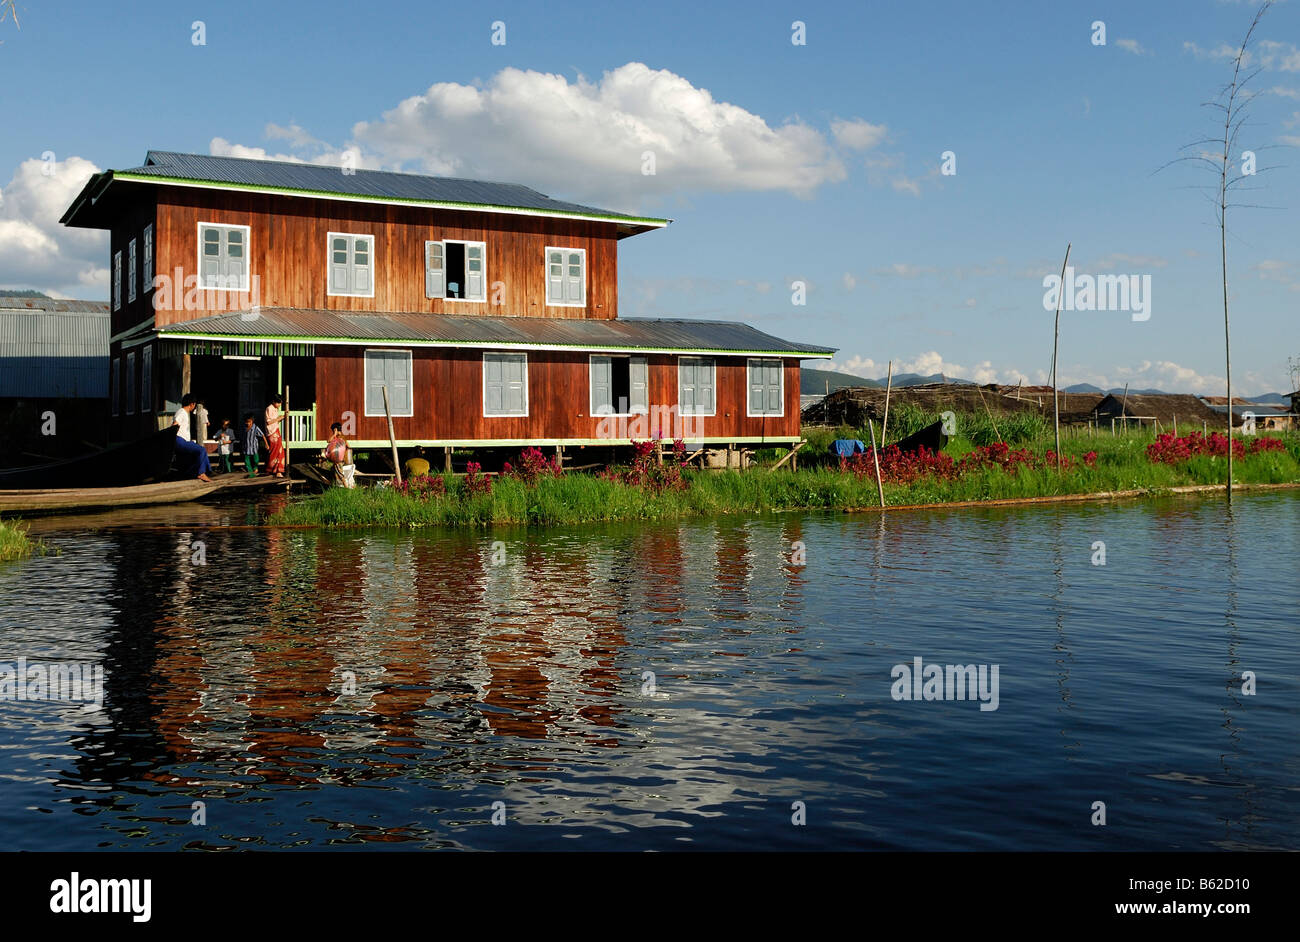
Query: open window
456, 270
619, 385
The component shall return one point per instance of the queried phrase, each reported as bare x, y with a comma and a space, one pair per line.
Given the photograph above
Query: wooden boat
930, 437
63, 500
148, 459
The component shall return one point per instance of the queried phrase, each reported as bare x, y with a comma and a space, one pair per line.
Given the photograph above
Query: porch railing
301, 426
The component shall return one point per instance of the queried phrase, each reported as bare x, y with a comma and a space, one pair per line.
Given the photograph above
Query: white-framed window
146, 280
455, 269
351, 265
619, 385
391, 368
505, 384
130, 383
766, 387
146, 380
117, 280
566, 277
697, 386
130, 271
223, 257
115, 385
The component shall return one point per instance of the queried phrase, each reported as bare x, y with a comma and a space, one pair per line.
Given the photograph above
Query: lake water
664, 686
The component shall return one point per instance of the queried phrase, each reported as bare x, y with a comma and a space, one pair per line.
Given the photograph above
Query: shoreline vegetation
982, 464
16, 544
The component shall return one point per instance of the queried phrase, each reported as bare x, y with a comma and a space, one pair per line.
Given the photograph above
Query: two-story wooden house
488, 311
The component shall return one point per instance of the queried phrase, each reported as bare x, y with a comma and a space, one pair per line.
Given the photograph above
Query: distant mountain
814, 382
25, 293
1084, 388
1271, 399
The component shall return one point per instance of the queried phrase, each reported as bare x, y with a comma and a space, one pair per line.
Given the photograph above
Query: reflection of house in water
301, 657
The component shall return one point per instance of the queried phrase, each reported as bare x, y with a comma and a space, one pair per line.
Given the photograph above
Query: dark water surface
371, 690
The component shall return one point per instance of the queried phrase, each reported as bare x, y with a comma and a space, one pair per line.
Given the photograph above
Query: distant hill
25, 293
813, 382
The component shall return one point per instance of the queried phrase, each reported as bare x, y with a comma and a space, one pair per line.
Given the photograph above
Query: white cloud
905, 270
1270, 55
849, 281
906, 185
857, 134
1283, 91
37, 252
590, 139
1133, 46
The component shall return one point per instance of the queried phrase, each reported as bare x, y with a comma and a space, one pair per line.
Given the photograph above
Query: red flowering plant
420, 486
646, 472
1171, 449
475, 481
533, 465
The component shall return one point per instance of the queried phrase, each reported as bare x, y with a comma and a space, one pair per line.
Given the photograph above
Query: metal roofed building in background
53, 349
650, 335
330, 182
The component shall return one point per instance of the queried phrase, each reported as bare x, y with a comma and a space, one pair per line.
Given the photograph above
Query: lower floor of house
439, 396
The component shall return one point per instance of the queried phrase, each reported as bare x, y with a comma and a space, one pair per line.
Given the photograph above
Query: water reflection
683, 681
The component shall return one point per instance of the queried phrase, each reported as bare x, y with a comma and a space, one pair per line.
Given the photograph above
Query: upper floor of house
193, 235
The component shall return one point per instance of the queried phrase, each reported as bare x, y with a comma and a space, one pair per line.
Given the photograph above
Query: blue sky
778, 162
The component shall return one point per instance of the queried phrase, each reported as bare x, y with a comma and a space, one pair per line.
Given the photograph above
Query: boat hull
148, 459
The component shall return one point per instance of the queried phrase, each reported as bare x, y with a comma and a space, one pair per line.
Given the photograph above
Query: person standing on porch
200, 422
194, 457
274, 439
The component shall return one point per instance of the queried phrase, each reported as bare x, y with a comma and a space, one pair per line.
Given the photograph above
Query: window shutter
147, 282
474, 284
555, 277
687, 397
773, 384
638, 382
130, 270
362, 261
236, 264
574, 280
339, 265
434, 273
707, 374
399, 382
514, 375
601, 381
211, 268
117, 280
493, 392
756, 387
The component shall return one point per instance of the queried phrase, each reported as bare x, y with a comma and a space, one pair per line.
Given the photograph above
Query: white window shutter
362, 262
474, 281
435, 278
705, 387
555, 277
601, 382
515, 375
756, 387
493, 388
574, 277
638, 384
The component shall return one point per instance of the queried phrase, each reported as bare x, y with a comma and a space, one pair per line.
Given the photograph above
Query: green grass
1122, 465
16, 544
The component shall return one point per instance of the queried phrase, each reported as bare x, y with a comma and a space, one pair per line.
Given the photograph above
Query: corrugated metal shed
633, 333
53, 349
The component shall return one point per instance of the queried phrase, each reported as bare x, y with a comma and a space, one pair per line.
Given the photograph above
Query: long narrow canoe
126, 465
68, 499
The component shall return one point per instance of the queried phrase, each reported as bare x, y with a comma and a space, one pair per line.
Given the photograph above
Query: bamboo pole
995, 421
875, 457
392, 438
790, 454
889, 384
1056, 341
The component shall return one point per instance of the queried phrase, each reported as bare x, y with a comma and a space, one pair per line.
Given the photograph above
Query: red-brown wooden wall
447, 398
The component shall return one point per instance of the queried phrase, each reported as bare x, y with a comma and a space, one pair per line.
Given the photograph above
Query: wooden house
487, 311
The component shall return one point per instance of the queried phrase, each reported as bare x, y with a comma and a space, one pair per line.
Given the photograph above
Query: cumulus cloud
1270, 55
1133, 46
599, 140
37, 252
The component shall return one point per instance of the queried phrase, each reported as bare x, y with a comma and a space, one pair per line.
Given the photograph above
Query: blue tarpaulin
847, 447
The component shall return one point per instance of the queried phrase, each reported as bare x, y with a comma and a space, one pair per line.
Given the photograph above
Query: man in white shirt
192, 456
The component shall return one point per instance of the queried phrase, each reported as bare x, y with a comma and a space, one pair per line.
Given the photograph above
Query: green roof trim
358, 198
164, 333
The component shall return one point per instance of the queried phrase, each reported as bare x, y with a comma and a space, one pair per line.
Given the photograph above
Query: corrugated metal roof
635, 333
52, 349
373, 184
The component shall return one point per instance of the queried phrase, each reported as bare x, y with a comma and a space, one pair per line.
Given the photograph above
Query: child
251, 435
226, 445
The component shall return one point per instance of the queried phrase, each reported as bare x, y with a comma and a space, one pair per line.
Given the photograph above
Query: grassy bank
1120, 464
16, 544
